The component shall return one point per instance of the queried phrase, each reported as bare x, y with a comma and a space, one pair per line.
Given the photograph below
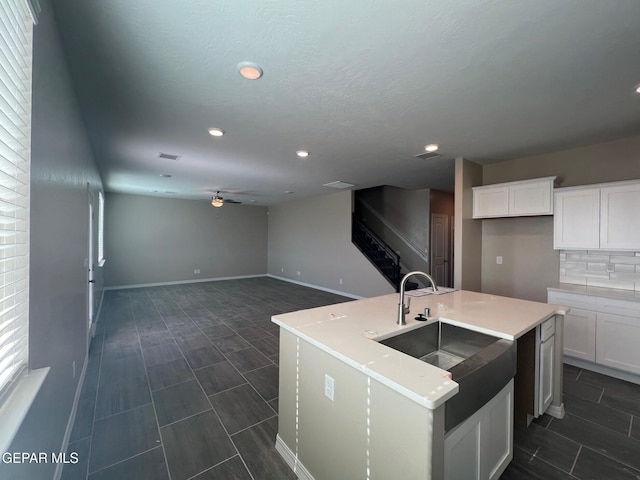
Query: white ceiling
363, 85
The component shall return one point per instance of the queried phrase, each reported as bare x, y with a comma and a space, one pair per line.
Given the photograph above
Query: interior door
440, 248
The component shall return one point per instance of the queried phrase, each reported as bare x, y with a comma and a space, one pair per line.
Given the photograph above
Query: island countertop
350, 331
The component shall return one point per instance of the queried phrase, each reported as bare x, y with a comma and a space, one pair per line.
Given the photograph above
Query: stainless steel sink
481, 364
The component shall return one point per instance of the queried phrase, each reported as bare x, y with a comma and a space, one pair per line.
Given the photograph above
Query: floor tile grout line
630, 426
124, 460
254, 425
155, 411
575, 460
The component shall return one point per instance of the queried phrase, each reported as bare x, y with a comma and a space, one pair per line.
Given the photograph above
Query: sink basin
481, 364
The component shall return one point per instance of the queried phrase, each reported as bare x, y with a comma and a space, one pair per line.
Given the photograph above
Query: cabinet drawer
575, 300
618, 307
547, 329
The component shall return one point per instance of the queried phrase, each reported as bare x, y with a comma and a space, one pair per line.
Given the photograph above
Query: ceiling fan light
217, 201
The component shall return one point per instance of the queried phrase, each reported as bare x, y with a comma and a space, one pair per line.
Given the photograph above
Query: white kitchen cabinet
481, 447
602, 330
617, 342
546, 374
597, 217
514, 199
619, 207
576, 218
492, 201
580, 334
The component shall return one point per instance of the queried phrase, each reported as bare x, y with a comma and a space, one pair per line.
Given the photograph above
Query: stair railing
383, 257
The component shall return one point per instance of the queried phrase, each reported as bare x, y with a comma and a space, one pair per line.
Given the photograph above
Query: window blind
16, 33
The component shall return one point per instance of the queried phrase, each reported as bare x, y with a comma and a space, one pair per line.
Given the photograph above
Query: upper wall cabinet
514, 199
597, 217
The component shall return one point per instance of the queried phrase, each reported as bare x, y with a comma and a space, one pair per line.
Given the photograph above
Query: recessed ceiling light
216, 132
250, 70
432, 147
288, 192
302, 153
638, 88
165, 175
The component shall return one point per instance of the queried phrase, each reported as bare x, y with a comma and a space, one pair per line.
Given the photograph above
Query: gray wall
157, 240
467, 255
530, 264
313, 237
62, 165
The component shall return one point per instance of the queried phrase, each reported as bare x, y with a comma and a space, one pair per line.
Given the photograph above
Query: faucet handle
407, 305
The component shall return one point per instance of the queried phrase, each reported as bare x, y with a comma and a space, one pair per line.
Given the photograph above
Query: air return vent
168, 156
427, 155
338, 184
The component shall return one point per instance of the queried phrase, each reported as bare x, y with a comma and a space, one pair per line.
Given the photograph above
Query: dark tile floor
182, 383
598, 439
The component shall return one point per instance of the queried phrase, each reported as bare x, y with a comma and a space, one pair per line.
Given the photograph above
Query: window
100, 228
16, 28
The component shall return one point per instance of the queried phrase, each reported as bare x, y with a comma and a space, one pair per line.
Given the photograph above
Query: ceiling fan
217, 201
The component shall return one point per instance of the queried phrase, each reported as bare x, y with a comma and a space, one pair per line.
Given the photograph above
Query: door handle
92, 281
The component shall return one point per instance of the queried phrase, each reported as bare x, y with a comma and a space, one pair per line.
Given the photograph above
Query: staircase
379, 253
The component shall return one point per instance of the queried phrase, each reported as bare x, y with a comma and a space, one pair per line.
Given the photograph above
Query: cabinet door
497, 434
481, 447
546, 374
619, 207
617, 341
576, 220
531, 198
580, 334
490, 202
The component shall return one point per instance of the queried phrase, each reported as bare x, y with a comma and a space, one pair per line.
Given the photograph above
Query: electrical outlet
499, 260
329, 386
298, 273
197, 270
340, 281
282, 269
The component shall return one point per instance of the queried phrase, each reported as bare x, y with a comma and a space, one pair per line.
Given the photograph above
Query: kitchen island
351, 407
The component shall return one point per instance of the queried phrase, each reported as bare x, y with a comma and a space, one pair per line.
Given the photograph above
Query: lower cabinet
618, 342
481, 447
601, 330
580, 334
546, 374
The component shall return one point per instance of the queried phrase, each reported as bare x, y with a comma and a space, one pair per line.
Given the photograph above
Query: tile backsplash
600, 268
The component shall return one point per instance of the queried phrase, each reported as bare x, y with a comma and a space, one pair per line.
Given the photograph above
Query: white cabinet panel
619, 225
617, 341
481, 447
531, 198
576, 220
580, 334
491, 202
546, 374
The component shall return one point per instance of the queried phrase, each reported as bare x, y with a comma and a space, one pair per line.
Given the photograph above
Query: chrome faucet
402, 308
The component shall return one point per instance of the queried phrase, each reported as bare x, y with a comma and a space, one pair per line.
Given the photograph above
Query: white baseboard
555, 411
182, 282
317, 287
290, 458
611, 372
72, 419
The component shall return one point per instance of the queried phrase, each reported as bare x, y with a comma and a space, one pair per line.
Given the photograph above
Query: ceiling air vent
338, 184
168, 156
427, 155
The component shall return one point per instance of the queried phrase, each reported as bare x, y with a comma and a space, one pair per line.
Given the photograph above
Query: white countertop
633, 295
349, 331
